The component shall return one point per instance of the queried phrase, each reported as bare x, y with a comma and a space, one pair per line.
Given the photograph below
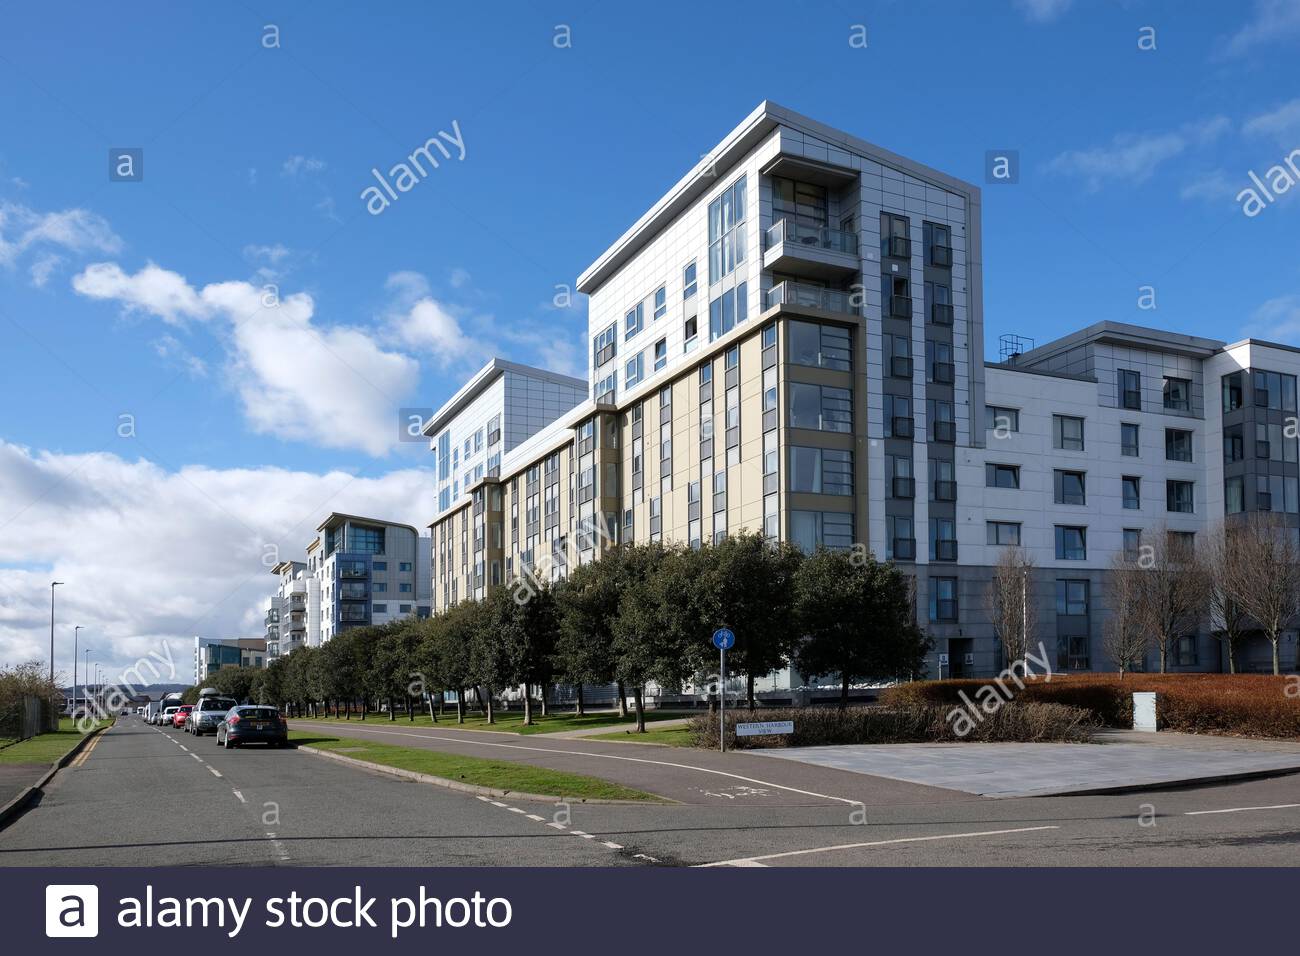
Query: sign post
723, 638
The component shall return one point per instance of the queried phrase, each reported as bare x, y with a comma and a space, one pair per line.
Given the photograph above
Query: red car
178, 719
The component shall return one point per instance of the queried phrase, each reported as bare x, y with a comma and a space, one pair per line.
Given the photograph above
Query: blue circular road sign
724, 639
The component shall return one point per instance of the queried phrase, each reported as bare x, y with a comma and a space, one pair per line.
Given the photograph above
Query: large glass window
604, 345
1234, 495
822, 407
1178, 394
1071, 543
634, 321
1132, 490
727, 310
1071, 598
1273, 390
689, 285
1179, 495
1002, 532
1130, 389
727, 231
805, 203
820, 346
366, 540
1129, 444
826, 471
1067, 432
634, 370
1001, 476
829, 529
1069, 487
1232, 392
1178, 444
943, 599
997, 418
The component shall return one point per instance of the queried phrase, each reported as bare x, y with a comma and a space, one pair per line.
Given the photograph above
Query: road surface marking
587, 753
214, 771
183, 747
533, 816
611, 845
514, 810
197, 757
279, 847
747, 860
239, 795
1279, 806
496, 803
558, 826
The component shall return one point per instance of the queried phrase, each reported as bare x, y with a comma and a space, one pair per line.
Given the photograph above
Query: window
1069, 487
379, 587
1232, 392
1179, 496
938, 244
1132, 492
728, 309
821, 407
1071, 543
727, 231
900, 543
661, 303
1001, 419
605, 389
943, 539
1273, 390
1178, 394
604, 346
1132, 543
661, 354
898, 356
1129, 444
938, 361
379, 608
380, 565
820, 346
901, 483
634, 321
943, 474
943, 422
896, 292
1234, 444
1234, 495
1001, 476
1185, 652
1071, 598
939, 301
943, 599
827, 471
895, 236
404, 565
1067, 432
805, 203
689, 286
1130, 389
1178, 445
898, 416
1002, 532
829, 529
633, 370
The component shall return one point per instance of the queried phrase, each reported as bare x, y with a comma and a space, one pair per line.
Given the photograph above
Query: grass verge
669, 737
479, 771
46, 748
512, 721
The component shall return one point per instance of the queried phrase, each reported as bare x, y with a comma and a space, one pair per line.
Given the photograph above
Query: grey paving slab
1022, 770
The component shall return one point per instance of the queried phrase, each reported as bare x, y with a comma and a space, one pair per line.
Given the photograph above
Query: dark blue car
253, 724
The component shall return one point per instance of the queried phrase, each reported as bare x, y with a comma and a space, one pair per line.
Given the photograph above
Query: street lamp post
53, 585
76, 634
87, 672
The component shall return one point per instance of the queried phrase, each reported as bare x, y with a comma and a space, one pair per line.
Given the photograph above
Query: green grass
479, 771
669, 736
512, 721
45, 748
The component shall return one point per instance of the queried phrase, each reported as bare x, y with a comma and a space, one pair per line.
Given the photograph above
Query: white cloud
1283, 124
43, 268
172, 350
1214, 186
23, 229
153, 557
272, 253
1043, 11
331, 385
296, 166
1134, 157
1273, 21
419, 321
1277, 320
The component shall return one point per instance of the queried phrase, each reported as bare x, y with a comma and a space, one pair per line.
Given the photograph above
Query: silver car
207, 714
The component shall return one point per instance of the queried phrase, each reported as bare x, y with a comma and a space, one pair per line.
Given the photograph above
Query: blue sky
133, 298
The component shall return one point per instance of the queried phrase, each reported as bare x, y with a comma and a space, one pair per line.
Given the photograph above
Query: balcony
940, 313
945, 490
904, 549
904, 487
902, 427
945, 549
816, 252
811, 297
941, 256
941, 373
272, 618
898, 247
944, 431
900, 366
900, 307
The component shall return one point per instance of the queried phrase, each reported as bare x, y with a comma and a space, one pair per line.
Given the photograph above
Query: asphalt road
150, 797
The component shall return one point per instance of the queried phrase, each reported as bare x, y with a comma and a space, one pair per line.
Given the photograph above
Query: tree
1010, 602
524, 626
1170, 592
1220, 560
236, 682
857, 618
588, 608
658, 634
489, 667
1266, 581
1124, 635
747, 585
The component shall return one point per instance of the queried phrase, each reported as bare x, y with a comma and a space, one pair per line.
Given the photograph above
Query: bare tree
1266, 580
1171, 597
1010, 600
1125, 637
1220, 559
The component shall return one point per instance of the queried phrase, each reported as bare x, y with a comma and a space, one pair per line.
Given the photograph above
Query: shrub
1254, 705
904, 723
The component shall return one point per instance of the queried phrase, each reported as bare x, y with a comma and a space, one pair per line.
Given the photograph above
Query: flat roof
1133, 336
484, 377
765, 118
337, 516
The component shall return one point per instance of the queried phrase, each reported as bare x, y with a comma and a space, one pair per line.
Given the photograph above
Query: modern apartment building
367, 571
293, 611
211, 655
791, 340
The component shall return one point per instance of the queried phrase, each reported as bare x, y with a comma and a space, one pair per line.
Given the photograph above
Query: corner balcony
816, 252
804, 295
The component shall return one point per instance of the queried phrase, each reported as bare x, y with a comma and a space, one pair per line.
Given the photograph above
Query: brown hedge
1252, 705
904, 723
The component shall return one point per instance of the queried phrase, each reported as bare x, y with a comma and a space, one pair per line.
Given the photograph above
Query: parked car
166, 716
208, 713
253, 723
182, 714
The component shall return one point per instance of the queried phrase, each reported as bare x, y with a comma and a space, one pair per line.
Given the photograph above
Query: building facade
791, 340
211, 655
293, 611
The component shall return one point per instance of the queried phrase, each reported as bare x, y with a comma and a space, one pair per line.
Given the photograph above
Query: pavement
17, 777
146, 797
1026, 770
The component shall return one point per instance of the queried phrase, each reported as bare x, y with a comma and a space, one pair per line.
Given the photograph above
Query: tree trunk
577, 708
639, 702
1232, 658
749, 690
433, 715
528, 707
844, 691
478, 697
1277, 661
460, 705
491, 717
1164, 654
622, 700
542, 688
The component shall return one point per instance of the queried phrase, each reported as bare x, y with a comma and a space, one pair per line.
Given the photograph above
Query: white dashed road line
582, 834
213, 770
751, 860
1279, 806
239, 795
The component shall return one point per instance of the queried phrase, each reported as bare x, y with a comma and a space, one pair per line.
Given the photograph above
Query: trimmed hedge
906, 723
1250, 705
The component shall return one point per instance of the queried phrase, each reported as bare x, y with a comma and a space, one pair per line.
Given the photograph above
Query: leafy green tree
587, 605
857, 619
747, 584
236, 682
525, 631
489, 665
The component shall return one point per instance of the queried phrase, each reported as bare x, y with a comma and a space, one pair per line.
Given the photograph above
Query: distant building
211, 655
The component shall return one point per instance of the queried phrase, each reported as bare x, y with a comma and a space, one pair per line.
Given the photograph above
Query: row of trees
1242, 577
641, 614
